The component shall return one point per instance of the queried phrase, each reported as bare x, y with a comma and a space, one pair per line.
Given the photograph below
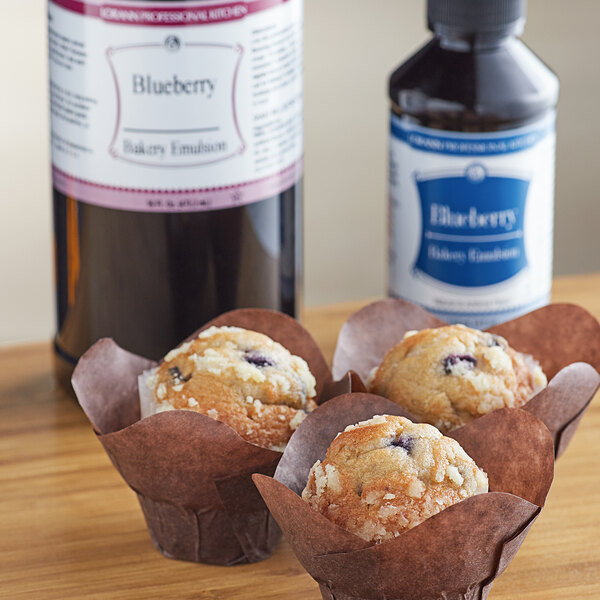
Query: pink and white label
175, 106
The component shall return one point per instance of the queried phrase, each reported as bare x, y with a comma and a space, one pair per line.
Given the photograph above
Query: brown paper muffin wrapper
192, 474
454, 555
562, 337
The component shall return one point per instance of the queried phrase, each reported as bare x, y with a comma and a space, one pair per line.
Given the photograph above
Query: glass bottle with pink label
177, 141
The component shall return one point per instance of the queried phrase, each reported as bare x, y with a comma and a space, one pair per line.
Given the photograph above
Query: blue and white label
465, 241
471, 220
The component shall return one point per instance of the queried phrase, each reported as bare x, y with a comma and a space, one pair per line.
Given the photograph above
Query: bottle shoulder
473, 90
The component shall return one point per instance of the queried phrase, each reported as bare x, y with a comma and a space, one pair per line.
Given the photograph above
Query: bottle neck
461, 41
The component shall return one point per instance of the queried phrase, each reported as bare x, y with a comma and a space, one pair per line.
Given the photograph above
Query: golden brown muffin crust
451, 375
387, 475
239, 377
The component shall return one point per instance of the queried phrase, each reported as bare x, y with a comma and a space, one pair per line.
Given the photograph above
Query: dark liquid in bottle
148, 280
451, 176
473, 84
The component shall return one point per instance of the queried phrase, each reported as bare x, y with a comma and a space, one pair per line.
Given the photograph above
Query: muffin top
240, 377
451, 375
388, 474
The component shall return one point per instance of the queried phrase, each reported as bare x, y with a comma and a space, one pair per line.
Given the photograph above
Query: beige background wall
351, 47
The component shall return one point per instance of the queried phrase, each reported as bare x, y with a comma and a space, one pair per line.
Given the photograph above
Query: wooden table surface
71, 528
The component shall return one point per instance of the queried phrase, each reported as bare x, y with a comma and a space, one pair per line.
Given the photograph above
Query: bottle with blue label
472, 153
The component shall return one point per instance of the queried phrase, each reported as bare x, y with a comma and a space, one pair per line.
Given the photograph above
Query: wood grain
70, 528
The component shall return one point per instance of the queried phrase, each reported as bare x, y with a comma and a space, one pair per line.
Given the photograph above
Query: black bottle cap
476, 16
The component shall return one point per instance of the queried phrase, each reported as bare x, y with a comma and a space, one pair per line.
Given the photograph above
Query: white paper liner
148, 403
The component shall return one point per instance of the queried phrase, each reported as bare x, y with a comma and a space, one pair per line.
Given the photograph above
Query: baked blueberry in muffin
240, 377
388, 474
451, 375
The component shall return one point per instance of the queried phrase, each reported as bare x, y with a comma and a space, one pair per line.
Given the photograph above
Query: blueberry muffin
387, 475
240, 377
451, 375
